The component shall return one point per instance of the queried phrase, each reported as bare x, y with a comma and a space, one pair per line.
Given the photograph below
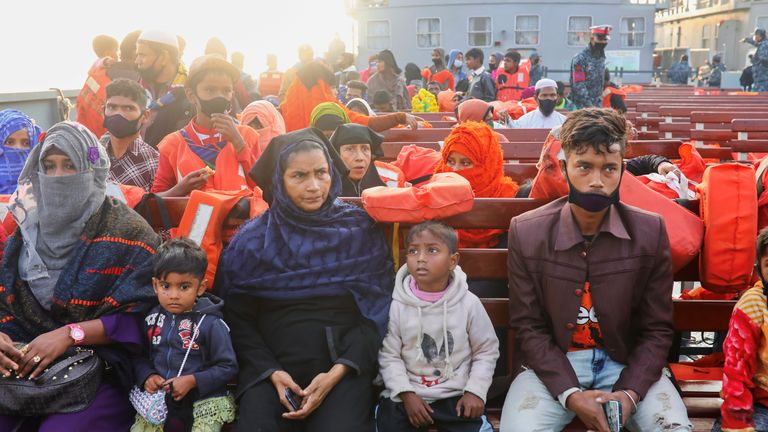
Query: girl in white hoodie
425, 381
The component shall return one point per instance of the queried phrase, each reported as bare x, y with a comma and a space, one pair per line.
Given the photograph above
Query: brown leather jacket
628, 265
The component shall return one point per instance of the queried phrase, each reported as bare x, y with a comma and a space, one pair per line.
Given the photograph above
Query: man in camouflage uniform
588, 69
759, 60
716, 76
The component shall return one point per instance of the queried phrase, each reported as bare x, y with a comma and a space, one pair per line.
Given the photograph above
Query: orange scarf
479, 143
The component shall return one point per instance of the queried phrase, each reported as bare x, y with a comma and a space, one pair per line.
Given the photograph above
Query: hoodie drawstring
448, 372
420, 339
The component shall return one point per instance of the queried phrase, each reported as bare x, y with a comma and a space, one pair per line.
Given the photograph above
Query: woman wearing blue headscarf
18, 134
307, 286
456, 65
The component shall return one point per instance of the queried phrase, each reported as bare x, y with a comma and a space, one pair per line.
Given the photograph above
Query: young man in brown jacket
590, 283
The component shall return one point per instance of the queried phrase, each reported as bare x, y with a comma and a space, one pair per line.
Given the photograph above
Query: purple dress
110, 410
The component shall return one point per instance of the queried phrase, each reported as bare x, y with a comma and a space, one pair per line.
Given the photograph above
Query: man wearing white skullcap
545, 117
158, 62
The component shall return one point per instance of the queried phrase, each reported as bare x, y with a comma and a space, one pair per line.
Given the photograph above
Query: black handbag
68, 385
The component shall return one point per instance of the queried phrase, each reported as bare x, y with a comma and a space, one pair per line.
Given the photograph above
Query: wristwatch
76, 333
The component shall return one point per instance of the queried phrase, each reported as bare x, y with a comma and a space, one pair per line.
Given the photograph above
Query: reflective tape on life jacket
91, 99
269, 83
511, 85
391, 175
129, 195
204, 218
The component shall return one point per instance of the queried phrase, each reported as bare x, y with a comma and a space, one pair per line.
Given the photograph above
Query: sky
47, 43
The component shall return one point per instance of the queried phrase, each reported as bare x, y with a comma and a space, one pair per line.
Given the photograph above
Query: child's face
764, 265
429, 261
178, 292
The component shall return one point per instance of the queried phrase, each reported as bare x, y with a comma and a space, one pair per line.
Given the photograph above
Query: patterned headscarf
288, 253
12, 160
51, 211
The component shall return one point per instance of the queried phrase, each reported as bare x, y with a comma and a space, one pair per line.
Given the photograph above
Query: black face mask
546, 106
492, 66
438, 62
120, 127
592, 202
217, 105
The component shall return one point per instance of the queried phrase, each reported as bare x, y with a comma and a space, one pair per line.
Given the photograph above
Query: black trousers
391, 417
347, 408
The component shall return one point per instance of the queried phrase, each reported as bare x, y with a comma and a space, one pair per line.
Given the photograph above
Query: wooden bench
701, 398
435, 135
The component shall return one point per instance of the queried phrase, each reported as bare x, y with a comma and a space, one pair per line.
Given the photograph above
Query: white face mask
458, 63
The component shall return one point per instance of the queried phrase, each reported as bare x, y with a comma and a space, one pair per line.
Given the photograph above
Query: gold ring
36, 359
24, 349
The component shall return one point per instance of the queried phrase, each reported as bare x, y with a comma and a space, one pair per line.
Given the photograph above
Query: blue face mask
458, 64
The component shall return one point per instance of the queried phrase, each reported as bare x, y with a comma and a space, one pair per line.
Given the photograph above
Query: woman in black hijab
358, 147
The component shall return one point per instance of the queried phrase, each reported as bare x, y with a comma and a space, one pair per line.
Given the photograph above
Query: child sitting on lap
427, 380
186, 316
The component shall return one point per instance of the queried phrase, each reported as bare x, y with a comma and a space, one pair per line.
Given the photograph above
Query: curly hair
597, 128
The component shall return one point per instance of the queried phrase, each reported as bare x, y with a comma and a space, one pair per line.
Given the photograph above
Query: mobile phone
292, 399
613, 414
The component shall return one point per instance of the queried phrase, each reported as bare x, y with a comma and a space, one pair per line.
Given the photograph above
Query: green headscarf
331, 109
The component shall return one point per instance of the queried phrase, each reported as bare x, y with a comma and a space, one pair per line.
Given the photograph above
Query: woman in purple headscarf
18, 134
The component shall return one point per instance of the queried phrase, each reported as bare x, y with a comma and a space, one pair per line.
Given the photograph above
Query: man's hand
412, 121
417, 409
192, 181
666, 168
626, 404
473, 406
588, 410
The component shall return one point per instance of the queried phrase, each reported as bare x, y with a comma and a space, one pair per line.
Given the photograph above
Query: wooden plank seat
700, 396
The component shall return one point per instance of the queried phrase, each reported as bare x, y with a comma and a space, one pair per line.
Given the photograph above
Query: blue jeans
530, 406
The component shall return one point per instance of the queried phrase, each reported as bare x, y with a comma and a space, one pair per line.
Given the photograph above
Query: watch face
77, 334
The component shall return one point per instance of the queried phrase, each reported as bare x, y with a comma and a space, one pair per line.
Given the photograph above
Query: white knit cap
159, 36
545, 83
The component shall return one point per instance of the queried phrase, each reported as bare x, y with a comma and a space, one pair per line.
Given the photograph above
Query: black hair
382, 97
475, 53
103, 44
762, 244
301, 147
513, 55
179, 255
356, 84
412, 72
446, 234
593, 127
560, 88
130, 89
684, 57
388, 58
128, 47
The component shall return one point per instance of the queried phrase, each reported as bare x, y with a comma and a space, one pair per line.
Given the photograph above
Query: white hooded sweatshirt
412, 357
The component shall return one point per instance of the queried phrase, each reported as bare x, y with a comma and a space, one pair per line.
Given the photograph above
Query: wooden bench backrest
434, 135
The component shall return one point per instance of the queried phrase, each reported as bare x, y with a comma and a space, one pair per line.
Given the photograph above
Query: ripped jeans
530, 407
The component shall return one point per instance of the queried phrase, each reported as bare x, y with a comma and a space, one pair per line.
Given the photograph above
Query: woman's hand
282, 380
43, 351
317, 390
10, 357
153, 383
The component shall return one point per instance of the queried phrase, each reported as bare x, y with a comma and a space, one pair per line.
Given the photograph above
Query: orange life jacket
613, 91
230, 174
91, 100
204, 218
417, 163
446, 194
761, 178
728, 203
511, 86
391, 175
269, 83
129, 195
